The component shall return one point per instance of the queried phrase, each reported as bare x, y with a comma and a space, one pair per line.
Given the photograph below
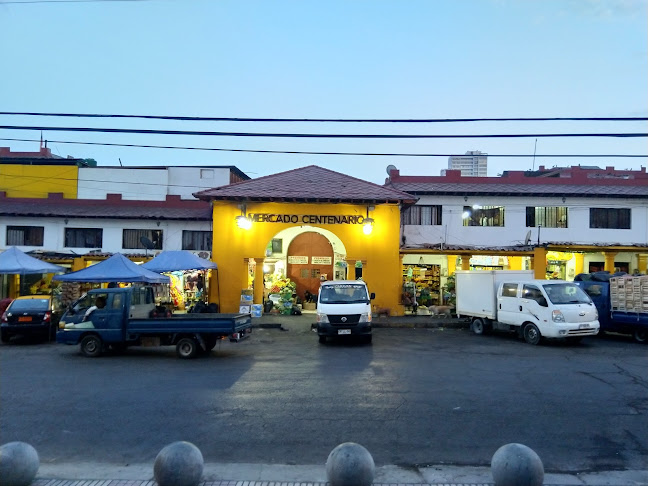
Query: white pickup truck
514, 301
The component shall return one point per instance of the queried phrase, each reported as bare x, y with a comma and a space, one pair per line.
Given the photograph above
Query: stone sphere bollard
350, 464
517, 465
18, 464
178, 464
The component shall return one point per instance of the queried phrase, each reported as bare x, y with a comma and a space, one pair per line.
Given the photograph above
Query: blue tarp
117, 268
172, 261
15, 262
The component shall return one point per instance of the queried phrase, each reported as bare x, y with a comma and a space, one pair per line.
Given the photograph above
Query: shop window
83, 237
422, 215
196, 240
315, 273
277, 245
304, 273
610, 218
546, 216
132, 238
25, 235
483, 216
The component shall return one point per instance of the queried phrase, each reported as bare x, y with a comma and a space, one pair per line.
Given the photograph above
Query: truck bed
198, 323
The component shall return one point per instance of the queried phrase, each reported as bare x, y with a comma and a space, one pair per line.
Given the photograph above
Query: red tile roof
307, 184
113, 207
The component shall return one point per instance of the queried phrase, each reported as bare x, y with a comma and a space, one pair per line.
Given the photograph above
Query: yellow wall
379, 251
36, 181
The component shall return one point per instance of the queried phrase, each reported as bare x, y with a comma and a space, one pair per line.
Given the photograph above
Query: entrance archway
310, 256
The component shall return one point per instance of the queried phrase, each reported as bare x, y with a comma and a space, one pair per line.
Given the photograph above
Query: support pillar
258, 281
515, 263
539, 263
452, 264
465, 262
642, 263
609, 261
579, 263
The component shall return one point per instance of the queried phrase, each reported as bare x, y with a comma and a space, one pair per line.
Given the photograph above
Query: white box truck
510, 300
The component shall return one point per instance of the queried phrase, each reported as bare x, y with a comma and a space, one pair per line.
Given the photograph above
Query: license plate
25, 319
344, 331
583, 326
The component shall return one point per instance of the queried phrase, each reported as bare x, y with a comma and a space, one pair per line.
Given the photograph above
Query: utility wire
295, 152
315, 135
325, 120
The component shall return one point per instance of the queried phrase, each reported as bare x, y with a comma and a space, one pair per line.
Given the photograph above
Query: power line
323, 120
17, 2
296, 152
316, 135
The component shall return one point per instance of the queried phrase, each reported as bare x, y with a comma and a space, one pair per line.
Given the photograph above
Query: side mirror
372, 296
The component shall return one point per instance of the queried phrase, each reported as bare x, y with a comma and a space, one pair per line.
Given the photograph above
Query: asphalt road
414, 397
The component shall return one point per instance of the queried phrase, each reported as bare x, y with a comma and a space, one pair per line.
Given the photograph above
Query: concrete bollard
19, 464
517, 465
178, 464
350, 464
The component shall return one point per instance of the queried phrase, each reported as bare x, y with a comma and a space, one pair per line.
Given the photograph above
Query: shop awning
16, 262
172, 261
117, 268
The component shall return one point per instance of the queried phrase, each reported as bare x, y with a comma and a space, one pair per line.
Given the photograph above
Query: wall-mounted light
158, 223
66, 221
564, 199
243, 221
367, 224
465, 198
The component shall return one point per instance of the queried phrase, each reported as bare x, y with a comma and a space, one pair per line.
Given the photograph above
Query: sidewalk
95, 474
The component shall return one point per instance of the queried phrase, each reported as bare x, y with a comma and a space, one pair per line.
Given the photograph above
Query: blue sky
391, 59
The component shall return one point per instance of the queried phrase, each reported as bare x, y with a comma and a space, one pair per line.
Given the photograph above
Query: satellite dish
147, 243
528, 238
391, 167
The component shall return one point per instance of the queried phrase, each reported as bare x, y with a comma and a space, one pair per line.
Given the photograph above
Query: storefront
302, 226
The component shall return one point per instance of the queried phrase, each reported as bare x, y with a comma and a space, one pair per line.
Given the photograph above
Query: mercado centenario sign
305, 218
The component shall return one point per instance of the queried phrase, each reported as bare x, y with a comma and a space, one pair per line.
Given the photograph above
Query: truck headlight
366, 317
322, 318
557, 316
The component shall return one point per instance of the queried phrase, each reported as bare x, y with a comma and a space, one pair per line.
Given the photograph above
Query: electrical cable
296, 152
316, 135
323, 120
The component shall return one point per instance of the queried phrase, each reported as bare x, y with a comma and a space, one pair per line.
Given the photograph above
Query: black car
29, 316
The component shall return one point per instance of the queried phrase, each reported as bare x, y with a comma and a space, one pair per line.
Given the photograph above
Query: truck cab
344, 310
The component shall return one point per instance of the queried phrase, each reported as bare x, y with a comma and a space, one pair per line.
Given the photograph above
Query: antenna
534, 152
390, 167
146, 243
120, 163
528, 238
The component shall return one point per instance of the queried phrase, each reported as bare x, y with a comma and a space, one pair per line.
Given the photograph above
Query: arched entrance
310, 255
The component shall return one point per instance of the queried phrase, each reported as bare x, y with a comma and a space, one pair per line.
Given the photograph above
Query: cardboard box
245, 309
308, 305
256, 310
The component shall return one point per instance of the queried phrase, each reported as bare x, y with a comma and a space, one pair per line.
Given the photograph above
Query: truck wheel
187, 348
531, 334
478, 327
91, 346
641, 336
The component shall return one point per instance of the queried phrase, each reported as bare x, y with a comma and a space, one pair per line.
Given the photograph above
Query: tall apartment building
474, 163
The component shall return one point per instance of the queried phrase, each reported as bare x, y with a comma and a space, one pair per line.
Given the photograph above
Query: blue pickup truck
121, 317
635, 323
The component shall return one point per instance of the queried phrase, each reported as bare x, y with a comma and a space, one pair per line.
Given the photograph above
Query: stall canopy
117, 268
172, 261
14, 261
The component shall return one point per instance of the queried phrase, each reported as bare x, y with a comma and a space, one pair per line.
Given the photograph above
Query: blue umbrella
117, 268
16, 262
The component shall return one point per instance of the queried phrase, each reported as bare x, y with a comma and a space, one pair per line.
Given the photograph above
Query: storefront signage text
321, 260
304, 218
299, 260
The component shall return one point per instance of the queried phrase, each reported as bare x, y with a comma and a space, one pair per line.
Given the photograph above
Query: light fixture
564, 199
65, 221
465, 198
367, 224
158, 223
243, 221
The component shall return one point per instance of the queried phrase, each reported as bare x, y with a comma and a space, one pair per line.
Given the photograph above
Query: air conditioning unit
203, 254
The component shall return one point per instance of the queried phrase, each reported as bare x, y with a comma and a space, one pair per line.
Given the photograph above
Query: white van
344, 310
514, 301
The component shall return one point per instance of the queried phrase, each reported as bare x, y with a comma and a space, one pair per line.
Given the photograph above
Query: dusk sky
354, 59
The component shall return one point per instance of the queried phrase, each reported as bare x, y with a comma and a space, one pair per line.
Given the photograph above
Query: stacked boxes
629, 293
247, 296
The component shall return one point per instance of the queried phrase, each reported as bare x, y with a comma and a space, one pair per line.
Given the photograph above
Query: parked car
31, 315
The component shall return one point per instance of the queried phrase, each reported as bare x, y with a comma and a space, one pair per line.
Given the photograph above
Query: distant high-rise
474, 163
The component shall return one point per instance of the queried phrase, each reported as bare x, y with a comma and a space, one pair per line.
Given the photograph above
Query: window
277, 245
132, 238
509, 290
25, 235
483, 216
422, 215
610, 218
547, 217
197, 240
83, 237
533, 293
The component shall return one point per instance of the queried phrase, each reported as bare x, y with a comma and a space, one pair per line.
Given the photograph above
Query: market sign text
304, 218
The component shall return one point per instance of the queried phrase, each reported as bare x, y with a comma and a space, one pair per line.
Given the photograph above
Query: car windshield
29, 305
343, 294
566, 293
